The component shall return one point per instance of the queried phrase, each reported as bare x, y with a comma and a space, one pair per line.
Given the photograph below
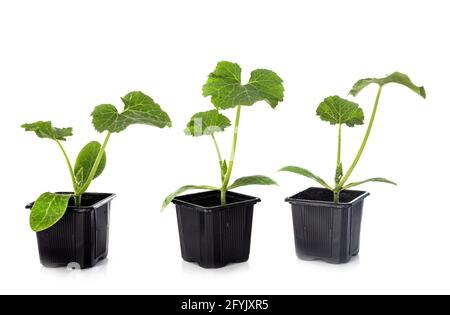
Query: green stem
219, 155
338, 162
336, 193
364, 142
338, 173
226, 180
339, 145
217, 148
94, 167
77, 200
223, 196
69, 165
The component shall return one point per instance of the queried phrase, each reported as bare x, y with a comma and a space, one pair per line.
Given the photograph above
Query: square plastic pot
325, 230
80, 239
213, 235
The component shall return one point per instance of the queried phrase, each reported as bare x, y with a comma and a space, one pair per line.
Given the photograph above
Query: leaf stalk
226, 180
69, 165
364, 142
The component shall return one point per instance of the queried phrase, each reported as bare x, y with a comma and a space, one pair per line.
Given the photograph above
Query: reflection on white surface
194, 268
101, 269
353, 263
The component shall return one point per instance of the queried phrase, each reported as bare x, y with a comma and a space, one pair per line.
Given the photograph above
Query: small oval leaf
86, 160
48, 210
339, 174
224, 169
304, 172
376, 179
252, 180
183, 189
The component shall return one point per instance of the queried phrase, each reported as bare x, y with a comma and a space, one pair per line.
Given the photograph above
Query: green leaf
224, 169
207, 123
80, 177
226, 90
339, 174
268, 86
337, 110
396, 77
360, 85
44, 129
252, 180
377, 179
183, 189
85, 161
139, 109
306, 173
48, 210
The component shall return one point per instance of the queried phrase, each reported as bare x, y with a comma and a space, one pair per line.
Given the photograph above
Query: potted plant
72, 227
327, 221
215, 226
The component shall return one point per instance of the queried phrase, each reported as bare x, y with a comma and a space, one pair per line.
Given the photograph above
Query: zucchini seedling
339, 111
227, 92
139, 108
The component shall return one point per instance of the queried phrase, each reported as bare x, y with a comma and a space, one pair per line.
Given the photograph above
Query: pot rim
108, 198
295, 200
248, 200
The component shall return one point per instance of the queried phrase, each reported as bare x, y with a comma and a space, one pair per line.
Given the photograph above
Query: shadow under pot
325, 230
213, 235
80, 239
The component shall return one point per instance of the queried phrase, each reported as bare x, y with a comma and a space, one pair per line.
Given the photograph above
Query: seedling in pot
339, 111
227, 92
139, 108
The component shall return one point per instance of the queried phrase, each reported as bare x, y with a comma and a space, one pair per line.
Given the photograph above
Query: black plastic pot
80, 239
213, 235
325, 230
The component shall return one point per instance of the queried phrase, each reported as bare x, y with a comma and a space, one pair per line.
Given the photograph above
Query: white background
58, 59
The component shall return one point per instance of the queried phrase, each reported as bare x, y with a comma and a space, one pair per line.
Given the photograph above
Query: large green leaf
85, 161
396, 77
44, 129
207, 123
337, 110
252, 180
306, 173
377, 179
48, 210
183, 189
139, 109
226, 90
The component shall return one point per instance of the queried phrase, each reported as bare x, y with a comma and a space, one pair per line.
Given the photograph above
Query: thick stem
336, 196
223, 196
95, 166
226, 180
364, 142
77, 200
338, 173
69, 165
